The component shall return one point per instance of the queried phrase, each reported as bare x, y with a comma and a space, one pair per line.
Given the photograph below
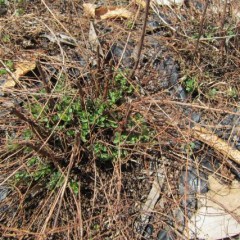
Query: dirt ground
54, 185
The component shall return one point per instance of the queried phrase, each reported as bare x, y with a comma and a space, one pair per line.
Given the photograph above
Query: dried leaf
89, 9
217, 218
9, 83
141, 3
117, 13
104, 12
169, 2
21, 69
148, 207
217, 143
93, 40
100, 11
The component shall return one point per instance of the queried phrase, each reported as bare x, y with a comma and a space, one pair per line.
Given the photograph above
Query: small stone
3, 193
3, 10
148, 231
164, 235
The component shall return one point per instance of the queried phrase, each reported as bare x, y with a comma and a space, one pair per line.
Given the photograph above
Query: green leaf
3, 71
117, 138
21, 176
6, 38
42, 172
56, 180
75, 187
32, 161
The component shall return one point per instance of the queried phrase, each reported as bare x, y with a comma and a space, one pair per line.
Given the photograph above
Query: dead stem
140, 45
201, 27
43, 151
38, 130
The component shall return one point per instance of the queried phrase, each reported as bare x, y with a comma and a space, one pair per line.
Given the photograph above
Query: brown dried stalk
201, 27
38, 130
217, 143
43, 151
140, 46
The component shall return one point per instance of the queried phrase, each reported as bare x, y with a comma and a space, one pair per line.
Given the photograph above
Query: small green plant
74, 186
130, 24
211, 31
10, 143
55, 181
212, 93
39, 171
21, 176
6, 38
19, 12
9, 64
189, 148
191, 84
231, 30
195, 35
232, 92
99, 124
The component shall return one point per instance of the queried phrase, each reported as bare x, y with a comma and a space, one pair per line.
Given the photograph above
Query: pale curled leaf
8, 83
142, 3
148, 207
21, 69
217, 143
117, 13
169, 2
105, 12
89, 9
220, 209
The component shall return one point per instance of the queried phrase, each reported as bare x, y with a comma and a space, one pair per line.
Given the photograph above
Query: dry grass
101, 199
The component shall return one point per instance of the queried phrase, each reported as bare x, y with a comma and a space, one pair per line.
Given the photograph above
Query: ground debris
218, 215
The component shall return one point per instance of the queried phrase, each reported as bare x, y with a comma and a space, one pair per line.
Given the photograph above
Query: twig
201, 27
45, 82
81, 94
75, 152
38, 130
222, 26
43, 151
107, 80
43, 77
141, 40
216, 143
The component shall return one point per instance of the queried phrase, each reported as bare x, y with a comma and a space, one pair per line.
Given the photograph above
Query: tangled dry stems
109, 194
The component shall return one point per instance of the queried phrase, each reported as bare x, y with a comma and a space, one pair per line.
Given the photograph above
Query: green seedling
9, 64
3, 72
6, 38
130, 24
232, 92
56, 180
19, 12
21, 176
212, 93
74, 186
32, 161
191, 84
42, 172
